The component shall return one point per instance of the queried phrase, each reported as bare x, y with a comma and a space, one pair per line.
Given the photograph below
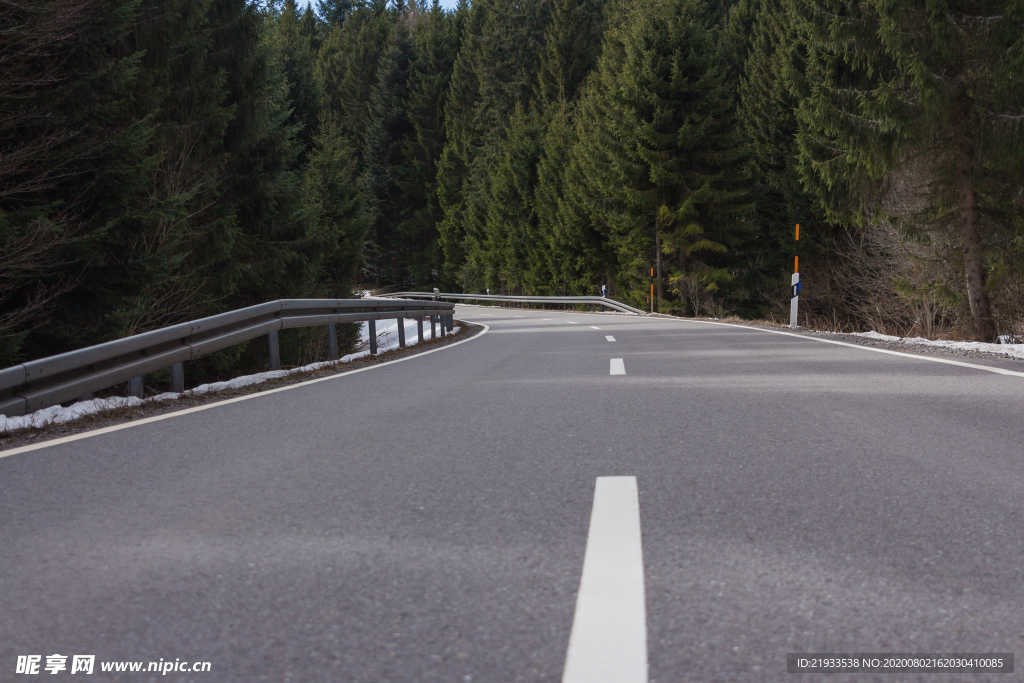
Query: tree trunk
974, 268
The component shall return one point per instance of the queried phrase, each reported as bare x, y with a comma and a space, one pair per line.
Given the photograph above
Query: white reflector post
794, 300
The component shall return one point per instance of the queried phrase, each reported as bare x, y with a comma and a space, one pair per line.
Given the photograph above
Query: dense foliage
166, 159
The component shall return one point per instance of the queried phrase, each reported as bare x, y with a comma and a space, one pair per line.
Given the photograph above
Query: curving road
428, 520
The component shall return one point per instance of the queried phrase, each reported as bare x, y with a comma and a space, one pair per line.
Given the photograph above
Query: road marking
608, 642
517, 316
594, 327
238, 399
572, 322
609, 337
545, 318
618, 367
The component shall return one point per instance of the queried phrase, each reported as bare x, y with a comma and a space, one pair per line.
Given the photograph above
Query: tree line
161, 160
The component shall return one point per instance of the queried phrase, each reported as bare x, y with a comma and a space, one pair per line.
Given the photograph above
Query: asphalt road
427, 520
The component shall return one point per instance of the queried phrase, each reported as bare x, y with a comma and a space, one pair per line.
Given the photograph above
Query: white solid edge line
609, 337
608, 641
946, 361
617, 367
217, 404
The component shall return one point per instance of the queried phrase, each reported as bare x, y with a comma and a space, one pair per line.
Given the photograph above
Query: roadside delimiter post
178, 378
794, 295
275, 350
332, 342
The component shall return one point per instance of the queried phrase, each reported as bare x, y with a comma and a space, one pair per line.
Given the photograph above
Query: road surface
428, 520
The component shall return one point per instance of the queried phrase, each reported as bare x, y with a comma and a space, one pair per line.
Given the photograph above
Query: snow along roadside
1007, 350
387, 340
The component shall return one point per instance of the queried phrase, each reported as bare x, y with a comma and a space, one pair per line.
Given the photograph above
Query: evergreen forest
163, 160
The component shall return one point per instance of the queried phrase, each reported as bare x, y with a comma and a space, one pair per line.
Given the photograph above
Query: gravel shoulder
903, 347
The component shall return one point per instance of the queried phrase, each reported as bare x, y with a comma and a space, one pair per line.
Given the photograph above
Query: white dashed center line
594, 327
572, 322
608, 642
609, 337
618, 367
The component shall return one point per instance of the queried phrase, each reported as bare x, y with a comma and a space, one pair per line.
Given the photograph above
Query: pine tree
295, 43
435, 46
336, 207
571, 44
347, 67
334, 12
910, 113
659, 155
261, 183
759, 32
571, 256
386, 137
71, 159
495, 72
510, 230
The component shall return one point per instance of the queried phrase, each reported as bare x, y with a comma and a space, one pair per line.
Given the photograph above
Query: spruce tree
659, 154
910, 113
334, 12
72, 157
435, 45
387, 136
510, 230
572, 253
336, 207
496, 71
759, 31
296, 45
571, 44
346, 67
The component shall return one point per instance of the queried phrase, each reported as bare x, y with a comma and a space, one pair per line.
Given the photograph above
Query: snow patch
387, 340
59, 415
1002, 349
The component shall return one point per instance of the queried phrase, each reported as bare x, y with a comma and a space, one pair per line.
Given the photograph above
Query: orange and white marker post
794, 298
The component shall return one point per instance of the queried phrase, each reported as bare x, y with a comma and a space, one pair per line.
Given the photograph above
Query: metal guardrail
48, 381
591, 300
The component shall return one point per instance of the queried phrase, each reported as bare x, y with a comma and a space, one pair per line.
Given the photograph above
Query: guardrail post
401, 333
419, 330
178, 378
372, 332
444, 325
433, 328
451, 322
135, 387
275, 350
332, 342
